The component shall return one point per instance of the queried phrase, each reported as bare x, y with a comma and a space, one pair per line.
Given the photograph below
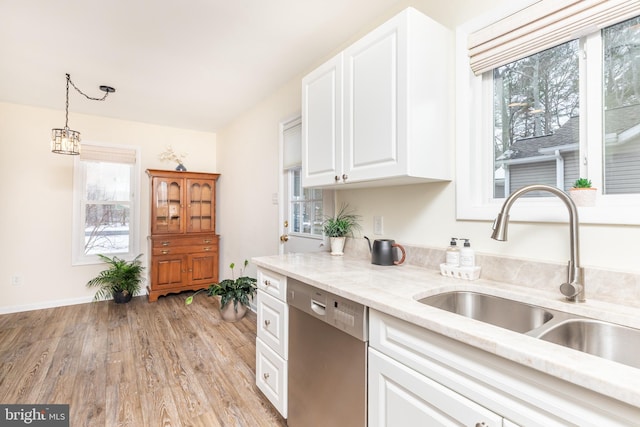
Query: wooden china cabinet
183, 241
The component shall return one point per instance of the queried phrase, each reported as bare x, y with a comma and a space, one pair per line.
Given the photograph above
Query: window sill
609, 210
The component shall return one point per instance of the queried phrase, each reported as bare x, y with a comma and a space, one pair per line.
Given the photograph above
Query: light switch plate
378, 225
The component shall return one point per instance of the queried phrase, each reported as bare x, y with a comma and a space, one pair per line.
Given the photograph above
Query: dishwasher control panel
344, 314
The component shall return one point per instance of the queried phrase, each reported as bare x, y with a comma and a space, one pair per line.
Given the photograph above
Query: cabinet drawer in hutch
184, 250
169, 242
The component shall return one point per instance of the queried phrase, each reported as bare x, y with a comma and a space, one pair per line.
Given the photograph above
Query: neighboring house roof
622, 124
567, 134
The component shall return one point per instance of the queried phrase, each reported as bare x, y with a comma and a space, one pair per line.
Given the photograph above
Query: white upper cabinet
379, 112
322, 124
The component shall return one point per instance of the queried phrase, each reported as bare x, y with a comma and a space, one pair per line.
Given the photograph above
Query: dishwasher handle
318, 308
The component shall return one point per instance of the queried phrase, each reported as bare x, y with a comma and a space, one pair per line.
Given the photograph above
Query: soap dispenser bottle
453, 254
467, 255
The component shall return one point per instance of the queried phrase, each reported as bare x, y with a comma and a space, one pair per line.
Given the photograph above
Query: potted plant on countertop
238, 291
582, 193
338, 227
121, 281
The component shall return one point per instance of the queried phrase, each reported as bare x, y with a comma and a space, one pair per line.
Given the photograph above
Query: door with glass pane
304, 211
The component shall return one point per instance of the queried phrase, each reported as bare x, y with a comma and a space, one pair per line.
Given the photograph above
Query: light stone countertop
395, 289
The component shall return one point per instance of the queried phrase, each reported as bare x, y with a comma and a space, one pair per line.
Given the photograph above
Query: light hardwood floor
137, 364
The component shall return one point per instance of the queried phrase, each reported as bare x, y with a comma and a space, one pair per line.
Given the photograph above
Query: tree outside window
536, 116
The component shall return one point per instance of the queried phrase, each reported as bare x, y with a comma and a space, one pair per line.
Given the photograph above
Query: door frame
283, 180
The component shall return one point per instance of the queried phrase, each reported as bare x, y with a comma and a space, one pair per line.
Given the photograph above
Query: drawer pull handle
166, 251
265, 375
165, 243
207, 241
207, 248
267, 323
267, 283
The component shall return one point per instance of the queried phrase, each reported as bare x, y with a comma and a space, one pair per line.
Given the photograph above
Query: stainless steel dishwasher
327, 358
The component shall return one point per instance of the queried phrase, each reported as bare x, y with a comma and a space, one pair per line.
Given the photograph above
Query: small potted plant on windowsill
235, 294
121, 281
582, 193
338, 227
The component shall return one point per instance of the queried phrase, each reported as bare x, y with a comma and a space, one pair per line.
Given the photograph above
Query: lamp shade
65, 141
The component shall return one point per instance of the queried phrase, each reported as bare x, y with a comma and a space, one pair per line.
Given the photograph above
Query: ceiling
193, 64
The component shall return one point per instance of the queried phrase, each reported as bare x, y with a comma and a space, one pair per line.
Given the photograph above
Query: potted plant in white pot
121, 281
582, 193
235, 294
338, 227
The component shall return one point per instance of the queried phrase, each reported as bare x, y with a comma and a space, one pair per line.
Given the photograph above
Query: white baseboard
45, 304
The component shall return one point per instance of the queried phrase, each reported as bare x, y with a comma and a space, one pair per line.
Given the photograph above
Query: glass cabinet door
200, 212
167, 206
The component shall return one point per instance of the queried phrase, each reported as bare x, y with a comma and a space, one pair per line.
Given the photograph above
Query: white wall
36, 189
248, 162
421, 214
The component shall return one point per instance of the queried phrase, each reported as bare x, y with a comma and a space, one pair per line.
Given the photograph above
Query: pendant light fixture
67, 141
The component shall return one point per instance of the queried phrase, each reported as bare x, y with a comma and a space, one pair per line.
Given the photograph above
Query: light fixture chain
66, 107
84, 94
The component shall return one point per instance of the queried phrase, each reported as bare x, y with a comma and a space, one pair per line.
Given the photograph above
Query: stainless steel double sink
607, 340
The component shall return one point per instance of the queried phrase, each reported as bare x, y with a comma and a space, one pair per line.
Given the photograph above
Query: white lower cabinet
271, 376
273, 319
272, 341
421, 378
398, 396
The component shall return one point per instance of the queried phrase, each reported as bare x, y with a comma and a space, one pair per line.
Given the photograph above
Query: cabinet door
374, 103
167, 206
272, 376
167, 271
203, 268
399, 396
322, 124
272, 323
201, 198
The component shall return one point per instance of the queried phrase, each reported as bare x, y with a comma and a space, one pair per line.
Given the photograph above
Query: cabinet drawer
272, 283
176, 250
170, 242
273, 318
271, 376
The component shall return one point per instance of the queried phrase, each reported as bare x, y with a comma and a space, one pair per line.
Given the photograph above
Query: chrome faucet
573, 289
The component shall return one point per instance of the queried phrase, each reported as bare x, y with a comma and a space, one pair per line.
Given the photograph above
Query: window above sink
553, 116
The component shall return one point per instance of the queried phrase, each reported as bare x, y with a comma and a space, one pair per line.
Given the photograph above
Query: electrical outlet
378, 225
16, 280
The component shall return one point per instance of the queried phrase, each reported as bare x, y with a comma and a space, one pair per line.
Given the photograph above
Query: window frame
78, 257
474, 142
293, 200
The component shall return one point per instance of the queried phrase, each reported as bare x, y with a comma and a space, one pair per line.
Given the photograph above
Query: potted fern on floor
235, 294
121, 281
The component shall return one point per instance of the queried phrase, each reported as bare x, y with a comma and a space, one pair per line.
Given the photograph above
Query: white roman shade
544, 24
292, 144
99, 153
